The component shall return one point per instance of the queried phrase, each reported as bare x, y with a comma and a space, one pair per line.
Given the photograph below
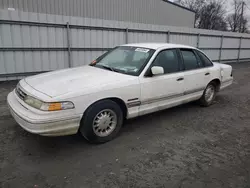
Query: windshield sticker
142, 50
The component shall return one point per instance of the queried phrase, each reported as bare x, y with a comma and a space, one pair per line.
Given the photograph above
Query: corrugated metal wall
139, 11
32, 43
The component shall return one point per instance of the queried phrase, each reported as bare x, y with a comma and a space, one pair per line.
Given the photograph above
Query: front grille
20, 93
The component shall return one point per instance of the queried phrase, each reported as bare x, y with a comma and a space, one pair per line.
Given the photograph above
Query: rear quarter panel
214, 72
225, 71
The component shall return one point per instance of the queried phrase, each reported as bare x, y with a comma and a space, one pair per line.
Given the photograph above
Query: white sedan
129, 81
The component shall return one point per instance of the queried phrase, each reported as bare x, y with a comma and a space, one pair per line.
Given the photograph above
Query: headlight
35, 103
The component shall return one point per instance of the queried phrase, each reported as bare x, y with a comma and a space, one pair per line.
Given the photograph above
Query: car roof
157, 46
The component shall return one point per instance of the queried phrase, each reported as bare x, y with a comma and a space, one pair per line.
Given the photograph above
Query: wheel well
217, 83
118, 101
122, 104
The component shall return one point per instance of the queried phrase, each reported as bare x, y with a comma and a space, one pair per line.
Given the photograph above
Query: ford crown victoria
129, 81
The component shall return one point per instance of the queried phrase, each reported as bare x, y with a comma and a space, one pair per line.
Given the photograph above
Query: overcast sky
229, 7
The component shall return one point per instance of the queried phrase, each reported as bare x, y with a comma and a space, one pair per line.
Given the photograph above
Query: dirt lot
186, 146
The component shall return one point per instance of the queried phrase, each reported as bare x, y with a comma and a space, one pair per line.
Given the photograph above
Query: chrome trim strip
20, 93
134, 99
194, 91
133, 104
153, 100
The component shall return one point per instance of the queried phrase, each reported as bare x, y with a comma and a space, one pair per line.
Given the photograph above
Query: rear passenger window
190, 60
204, 59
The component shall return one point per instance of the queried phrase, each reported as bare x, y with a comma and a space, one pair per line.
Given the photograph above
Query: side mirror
157, 70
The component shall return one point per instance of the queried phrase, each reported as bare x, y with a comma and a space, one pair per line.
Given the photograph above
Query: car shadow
76, 143
133, 124
66, 145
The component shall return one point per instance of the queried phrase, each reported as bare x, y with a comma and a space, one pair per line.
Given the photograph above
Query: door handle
207, 74
180, 79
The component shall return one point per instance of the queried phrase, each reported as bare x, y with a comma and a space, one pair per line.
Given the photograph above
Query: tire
97, 124
207, 100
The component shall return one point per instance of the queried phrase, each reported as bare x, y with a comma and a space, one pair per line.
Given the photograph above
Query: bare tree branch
237, 22
212, 14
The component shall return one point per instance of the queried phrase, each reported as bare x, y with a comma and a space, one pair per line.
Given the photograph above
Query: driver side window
168, 60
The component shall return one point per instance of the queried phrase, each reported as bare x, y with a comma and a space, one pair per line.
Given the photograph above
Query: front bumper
40, 123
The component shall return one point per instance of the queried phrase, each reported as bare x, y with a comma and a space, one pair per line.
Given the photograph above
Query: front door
162, 91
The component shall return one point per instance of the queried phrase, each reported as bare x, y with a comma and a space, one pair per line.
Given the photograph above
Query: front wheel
102, 121
208, 95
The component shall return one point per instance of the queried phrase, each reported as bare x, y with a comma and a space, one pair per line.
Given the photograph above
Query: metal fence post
239, 50
69, 45
126, 36
198, 40
168, 37
221, 46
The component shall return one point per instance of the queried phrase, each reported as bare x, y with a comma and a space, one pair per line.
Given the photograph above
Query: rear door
196, 75
210, 67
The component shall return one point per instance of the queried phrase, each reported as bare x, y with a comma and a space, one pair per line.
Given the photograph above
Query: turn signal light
55, 106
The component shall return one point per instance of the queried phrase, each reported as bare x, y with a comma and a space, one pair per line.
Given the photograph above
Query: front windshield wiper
107, 67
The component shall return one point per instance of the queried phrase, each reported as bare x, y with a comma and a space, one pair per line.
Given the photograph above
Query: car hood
85, 78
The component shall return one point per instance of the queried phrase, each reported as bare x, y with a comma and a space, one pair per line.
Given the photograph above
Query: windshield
124, 59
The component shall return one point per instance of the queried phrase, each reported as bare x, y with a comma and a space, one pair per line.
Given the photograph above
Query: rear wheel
102, 122
208, 95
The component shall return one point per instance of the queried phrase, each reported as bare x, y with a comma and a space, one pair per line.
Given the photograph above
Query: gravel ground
186, 146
